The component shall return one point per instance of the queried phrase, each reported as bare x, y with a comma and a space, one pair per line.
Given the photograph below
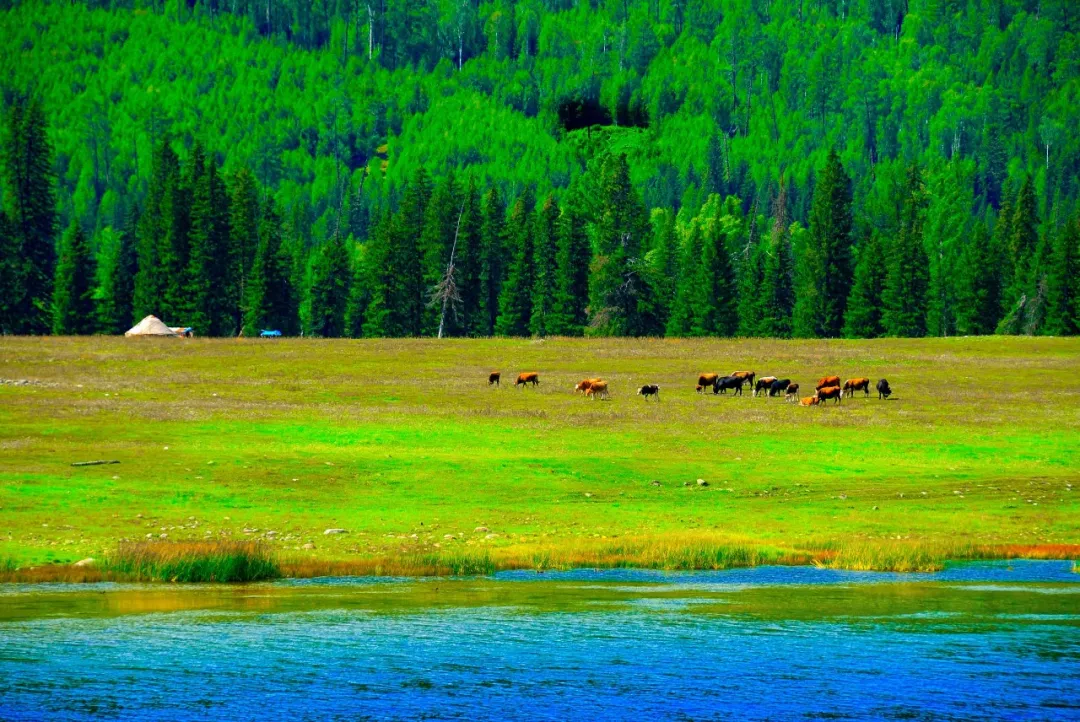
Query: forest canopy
713, 167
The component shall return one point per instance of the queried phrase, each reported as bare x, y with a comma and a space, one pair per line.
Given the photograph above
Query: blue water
996, 641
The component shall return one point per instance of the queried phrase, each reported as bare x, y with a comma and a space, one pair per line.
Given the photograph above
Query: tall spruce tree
158, 224
620, 302
545, 269
751, 275
907, 277
436, 238
979, 285
207, 278
681, 319
777, 295
468, 261
244, 240
863, 316
1023, 238
377, 315
73, 290
715, 301
1063, 282
569, 314
664, 261
947, 225
117, 265
329, 293
11, 276
359, 296
30, 205
824, 271
492, 255
515, 297
268, 292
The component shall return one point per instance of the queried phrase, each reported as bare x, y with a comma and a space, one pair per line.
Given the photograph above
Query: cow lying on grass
860, 384
830, 392
810, 401
530, 377
883, 390
721, 385
649, 390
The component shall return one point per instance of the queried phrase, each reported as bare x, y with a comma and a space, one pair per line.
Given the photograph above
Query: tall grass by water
218, 561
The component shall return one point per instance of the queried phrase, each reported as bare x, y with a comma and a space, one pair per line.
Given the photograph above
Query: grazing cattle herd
828, 387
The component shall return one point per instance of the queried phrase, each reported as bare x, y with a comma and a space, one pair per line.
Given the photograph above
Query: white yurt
150, 326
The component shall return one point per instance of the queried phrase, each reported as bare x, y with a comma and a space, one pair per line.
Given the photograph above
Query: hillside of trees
810, 168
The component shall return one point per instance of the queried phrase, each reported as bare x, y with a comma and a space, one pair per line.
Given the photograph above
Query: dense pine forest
806, 168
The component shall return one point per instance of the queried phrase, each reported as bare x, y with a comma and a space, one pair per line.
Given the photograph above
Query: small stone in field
84, 562
588, 494
481, 530
702, 482
654, 482
309, 545
875, 508
163, 536
328, 532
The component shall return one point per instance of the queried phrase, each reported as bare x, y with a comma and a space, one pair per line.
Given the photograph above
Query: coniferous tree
359, 297
568, 314
515, 298
681, 319
664, 262
206, 281
620, 302
436, 238
492, 262
1023, 238
947, 224
1063, 282
979, 285
244, 241
751, 278
73, 290
157, 226
268, 292
377, 315
907, 278
544, 267
468, 261
117, 266
329, 292
11, 271
863, 316
778, 285
824, 272
30, 205
715, 301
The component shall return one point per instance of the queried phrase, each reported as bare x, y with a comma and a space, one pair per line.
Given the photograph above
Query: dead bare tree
446, 292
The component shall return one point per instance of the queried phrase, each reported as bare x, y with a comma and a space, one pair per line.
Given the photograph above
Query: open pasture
405, 446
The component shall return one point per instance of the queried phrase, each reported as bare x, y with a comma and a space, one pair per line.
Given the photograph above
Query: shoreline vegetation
237, 562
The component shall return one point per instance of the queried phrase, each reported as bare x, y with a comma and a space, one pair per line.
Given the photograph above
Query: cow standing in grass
830, 392
778, 386
649, 390
860, 384
746, 376
706, 380
493, 378
529, 377
583, 386
825, 381
763, 384
728, 382
883, 390
598, 390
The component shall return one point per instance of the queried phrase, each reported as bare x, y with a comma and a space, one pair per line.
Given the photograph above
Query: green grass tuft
193, 562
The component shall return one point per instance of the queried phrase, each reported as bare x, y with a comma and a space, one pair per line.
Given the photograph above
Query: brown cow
810, 401
529, 377
828, 381
764, 383
792, 393
830, 392
493, 378
597, 390
746, 376
707, 380
853, 385
700, 388
583, 386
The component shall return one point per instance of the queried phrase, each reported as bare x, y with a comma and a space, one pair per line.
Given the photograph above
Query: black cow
728, 382
883, 390
649, 390
779, 386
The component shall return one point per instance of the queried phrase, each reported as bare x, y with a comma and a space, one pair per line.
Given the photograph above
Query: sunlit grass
192, 562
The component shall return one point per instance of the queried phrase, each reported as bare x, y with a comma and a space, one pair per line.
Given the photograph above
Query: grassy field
402, 444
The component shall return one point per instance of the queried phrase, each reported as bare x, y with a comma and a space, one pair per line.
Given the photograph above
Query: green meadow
404, 446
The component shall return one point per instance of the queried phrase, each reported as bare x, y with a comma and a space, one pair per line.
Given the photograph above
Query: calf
779, 385
763, 384
649, 390
810, 401
853, 385
700, 388
728, 382
704, 380
883, 390
830, 392
792, 393
828, 381
493, 378
529, 377
598, 389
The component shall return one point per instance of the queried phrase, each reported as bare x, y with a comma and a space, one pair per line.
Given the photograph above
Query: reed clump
217, 561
